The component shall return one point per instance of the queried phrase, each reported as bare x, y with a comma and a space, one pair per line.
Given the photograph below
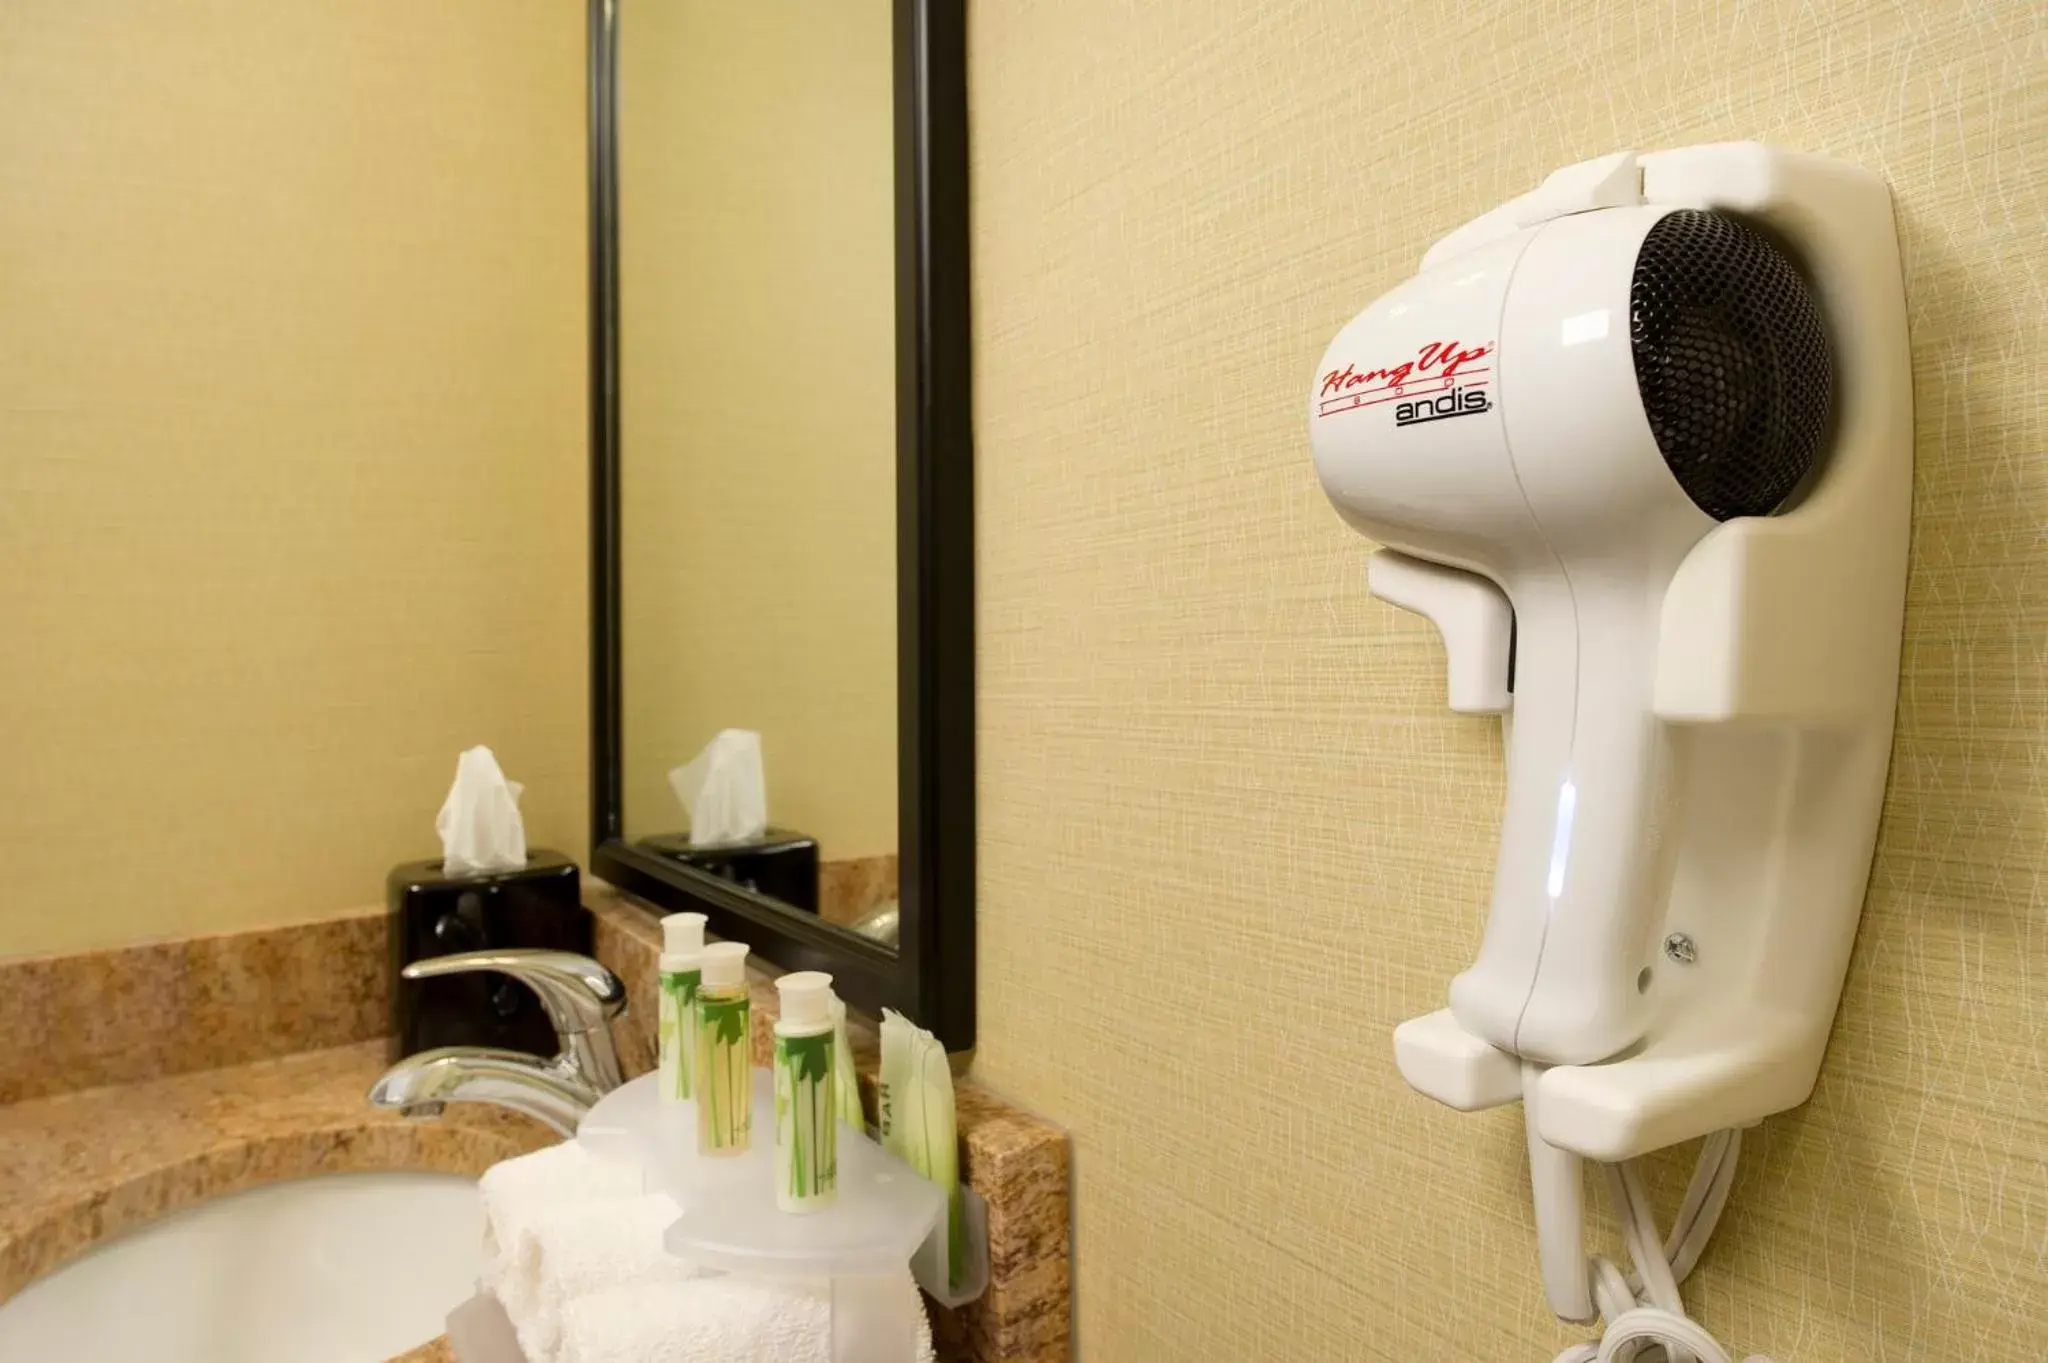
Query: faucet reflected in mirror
580, 997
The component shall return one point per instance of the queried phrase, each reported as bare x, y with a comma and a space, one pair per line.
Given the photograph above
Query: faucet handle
579, 994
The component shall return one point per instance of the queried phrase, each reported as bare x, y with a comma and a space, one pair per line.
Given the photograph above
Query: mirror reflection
758, 446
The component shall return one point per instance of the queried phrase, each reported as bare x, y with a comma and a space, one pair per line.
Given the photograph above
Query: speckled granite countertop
152, 1077
84, 1167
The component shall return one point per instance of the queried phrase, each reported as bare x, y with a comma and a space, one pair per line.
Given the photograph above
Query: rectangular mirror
783, 474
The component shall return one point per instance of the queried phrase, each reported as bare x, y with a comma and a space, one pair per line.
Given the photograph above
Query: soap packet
918, 1123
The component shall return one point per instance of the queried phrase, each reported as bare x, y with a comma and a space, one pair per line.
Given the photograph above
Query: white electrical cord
1646, 1320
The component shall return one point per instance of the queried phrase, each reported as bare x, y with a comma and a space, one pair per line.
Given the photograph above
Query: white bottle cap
682, 936
724, 964
806, 996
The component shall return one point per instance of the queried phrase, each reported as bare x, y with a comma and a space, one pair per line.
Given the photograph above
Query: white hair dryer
1567, 412
1639, 442
1641, 439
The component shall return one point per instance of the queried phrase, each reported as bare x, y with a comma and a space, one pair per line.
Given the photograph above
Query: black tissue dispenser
437, 914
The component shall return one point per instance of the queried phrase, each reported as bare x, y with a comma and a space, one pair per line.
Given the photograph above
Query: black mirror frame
930, 977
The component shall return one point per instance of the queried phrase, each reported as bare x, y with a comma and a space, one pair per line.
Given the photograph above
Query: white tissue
724, 789
479, 822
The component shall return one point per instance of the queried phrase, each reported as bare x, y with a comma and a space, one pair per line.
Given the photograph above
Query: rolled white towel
716, 1319
516, 1191
584, 1247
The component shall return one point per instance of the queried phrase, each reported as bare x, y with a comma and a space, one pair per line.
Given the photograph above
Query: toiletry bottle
725, 1051
806, 1124
682, 937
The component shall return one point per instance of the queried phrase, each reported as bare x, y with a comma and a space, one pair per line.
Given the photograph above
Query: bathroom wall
758, 405
1229, 834
291, 447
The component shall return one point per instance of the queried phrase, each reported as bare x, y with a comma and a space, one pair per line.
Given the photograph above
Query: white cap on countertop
806, 997
724, 964
682, 937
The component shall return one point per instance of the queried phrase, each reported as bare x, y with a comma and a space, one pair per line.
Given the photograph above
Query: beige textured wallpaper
291, 447
1229, 834
758, 405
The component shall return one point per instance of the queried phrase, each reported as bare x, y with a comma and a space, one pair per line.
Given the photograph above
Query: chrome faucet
581, 998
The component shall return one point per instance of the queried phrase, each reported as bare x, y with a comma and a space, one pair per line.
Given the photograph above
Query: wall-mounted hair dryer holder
1776, 666
1639, 443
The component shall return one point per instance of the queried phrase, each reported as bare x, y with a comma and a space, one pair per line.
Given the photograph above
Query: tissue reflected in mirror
724, 789
758, 447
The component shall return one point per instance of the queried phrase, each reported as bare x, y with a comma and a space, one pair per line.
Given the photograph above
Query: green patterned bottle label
679, 1033
724, 1074
806, 1126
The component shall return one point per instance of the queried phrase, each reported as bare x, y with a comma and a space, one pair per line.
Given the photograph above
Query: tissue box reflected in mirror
780, 863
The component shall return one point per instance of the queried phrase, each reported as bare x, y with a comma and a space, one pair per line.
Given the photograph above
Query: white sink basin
344, 1268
